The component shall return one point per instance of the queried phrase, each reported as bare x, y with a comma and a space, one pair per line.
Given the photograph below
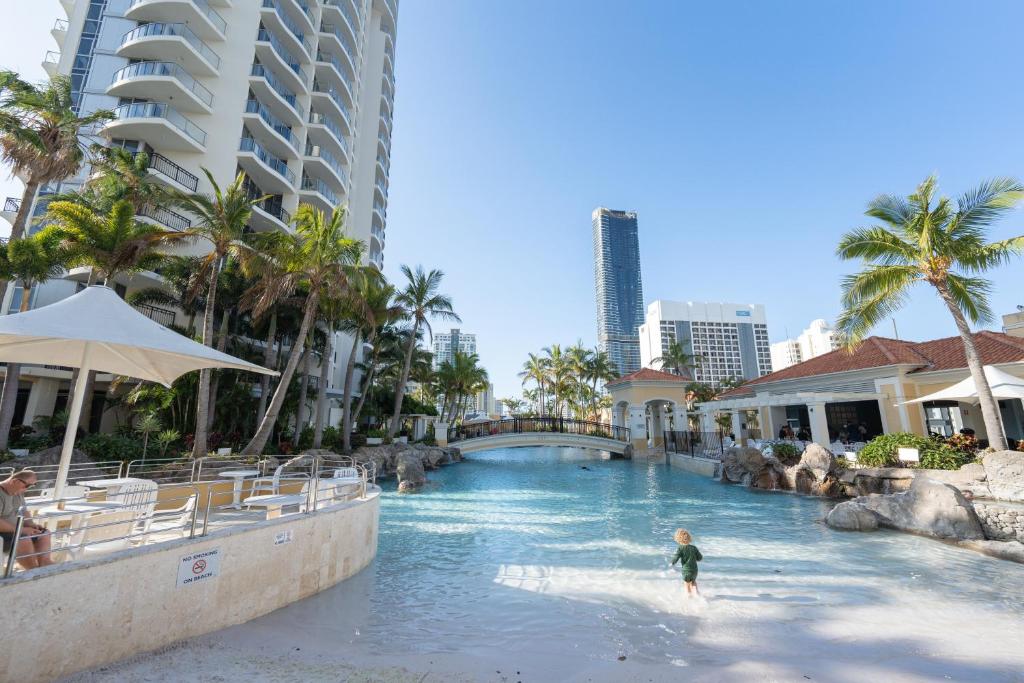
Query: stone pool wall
1000, 522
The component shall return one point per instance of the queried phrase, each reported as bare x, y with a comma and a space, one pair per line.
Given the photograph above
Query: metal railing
174, 30
264, 35
332, 93
334, 30
158, 110
163, 165
164, 316
12, 204
260, 71
166, 217
330, 124
319, 186
329, 58
275, 207
288, 22
279, 126
534, 425
343, 7
318, 152
60, 25
698, 444
215, 18
165, 69
280, 166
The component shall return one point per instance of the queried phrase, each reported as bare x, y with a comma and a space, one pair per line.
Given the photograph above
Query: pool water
549, 564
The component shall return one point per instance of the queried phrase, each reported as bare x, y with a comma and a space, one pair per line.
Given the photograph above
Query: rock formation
411, 474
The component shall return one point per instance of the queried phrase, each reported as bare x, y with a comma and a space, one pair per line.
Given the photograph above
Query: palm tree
675, 359
535, 370
940, 244
421, 300
40, 136
32, 260
319, 259
118, 174
599, 369
221, 220
558, 375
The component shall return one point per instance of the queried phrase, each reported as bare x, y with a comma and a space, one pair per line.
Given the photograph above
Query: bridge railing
530, 425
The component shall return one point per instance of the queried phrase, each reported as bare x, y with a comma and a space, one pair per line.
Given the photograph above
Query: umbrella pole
74, 415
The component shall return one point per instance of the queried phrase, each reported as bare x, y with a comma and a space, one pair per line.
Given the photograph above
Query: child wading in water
690, 556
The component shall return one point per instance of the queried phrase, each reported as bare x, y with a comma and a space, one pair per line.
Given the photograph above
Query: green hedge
883, 451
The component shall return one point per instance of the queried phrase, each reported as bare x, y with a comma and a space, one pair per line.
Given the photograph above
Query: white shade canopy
117, 338
97, 330
1003, 384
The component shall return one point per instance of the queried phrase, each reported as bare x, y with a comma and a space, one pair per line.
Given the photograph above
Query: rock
819, 460
1004, 471
929, 508
851, 516
1004, 550
411, 475
970, 479
740, 464
868, 480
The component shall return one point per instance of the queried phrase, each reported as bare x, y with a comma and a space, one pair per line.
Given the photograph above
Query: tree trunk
268, 362
259, 439
365, 392
222, 345
321, 394
989, 406
403, 380
302, 411
346, 398
203, 399
18, 229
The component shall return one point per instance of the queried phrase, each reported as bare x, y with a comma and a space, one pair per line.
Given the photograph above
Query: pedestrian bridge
539, 431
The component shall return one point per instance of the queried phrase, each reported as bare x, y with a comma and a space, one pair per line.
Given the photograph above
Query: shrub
786, 453
377, 433
965, 443
331, 437
305, 438
103, 447
358, 440
883, 451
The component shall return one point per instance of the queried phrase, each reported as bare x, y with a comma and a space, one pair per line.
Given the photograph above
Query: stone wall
999, 521
100, 610
703, 466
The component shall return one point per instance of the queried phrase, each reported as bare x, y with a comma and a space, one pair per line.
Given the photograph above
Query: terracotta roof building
839, 391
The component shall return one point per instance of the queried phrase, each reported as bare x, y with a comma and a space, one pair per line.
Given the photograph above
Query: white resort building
819, 338
298, 94
447, 343
730, 340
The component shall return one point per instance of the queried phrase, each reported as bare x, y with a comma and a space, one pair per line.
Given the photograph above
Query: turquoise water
521, 559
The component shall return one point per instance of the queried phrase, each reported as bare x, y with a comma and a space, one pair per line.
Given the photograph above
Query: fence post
12, 554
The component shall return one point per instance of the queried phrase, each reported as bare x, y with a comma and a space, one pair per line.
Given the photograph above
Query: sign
198, 567
282, 537
909, 455
743, 314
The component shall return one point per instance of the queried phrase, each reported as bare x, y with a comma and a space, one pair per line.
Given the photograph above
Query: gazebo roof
650, 375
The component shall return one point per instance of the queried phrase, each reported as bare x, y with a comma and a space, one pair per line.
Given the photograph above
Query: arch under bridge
540, 431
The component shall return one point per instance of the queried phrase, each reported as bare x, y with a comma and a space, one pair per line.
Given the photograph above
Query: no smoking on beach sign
197, 567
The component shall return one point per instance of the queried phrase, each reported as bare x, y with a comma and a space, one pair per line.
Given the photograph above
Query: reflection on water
523, 551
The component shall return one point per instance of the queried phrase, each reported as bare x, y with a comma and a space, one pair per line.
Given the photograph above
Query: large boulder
928, 507
411, 475
819, 460
815, 474
970, 479
740, 464
851, 516
1004, 472
883, 480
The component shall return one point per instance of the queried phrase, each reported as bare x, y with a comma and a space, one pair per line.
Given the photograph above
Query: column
638, 427
737, 426
819, 424
441, 433
42, 398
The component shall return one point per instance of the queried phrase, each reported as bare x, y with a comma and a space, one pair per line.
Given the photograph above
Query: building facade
298, 94
730, 341
618, 287
818, 339
447, 343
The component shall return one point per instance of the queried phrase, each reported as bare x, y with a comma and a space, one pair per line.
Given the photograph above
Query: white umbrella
1003, 384
96, 330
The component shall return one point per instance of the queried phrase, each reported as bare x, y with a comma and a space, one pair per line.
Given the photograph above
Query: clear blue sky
747, 135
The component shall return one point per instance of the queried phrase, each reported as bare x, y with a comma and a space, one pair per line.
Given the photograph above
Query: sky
748, 136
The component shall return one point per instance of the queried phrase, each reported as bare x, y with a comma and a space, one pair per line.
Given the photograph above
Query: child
690, 556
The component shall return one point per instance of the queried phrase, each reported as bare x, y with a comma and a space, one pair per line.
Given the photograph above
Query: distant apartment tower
818, 339
618, 287
298, 94
729, 340
1013, 323
447, 343
483, 402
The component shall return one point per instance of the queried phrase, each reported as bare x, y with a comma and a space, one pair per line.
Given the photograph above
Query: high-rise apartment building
298, 94
818, 339
447, 343
730, 341
618, 287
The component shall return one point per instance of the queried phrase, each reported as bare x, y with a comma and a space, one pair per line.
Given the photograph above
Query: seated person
34, 542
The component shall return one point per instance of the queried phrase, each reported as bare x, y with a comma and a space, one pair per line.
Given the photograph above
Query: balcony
270, 50
330, 94
276, 135
270, 215
164, 316
325, 130
389, 17
381, 188
329, 67
274, 15
165, 218
158, 81
59, 31
378, 234
171, 173
301, 10
317, 192
161, 125
388, 88
197, 14
266, 170
51, 62
170, 43
275, 94
11, 207
342, 43
323, 162
340, 12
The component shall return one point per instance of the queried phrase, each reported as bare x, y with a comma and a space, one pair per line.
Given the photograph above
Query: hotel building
818, 339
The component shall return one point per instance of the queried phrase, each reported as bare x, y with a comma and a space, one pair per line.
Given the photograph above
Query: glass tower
618, 287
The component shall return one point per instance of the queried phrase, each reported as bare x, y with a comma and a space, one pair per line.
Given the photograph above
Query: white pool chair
273, 503
175, 520
105, 532
272, 485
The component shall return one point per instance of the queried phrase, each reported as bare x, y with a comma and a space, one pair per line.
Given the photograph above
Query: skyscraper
618, 287
447, 343
298, 94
